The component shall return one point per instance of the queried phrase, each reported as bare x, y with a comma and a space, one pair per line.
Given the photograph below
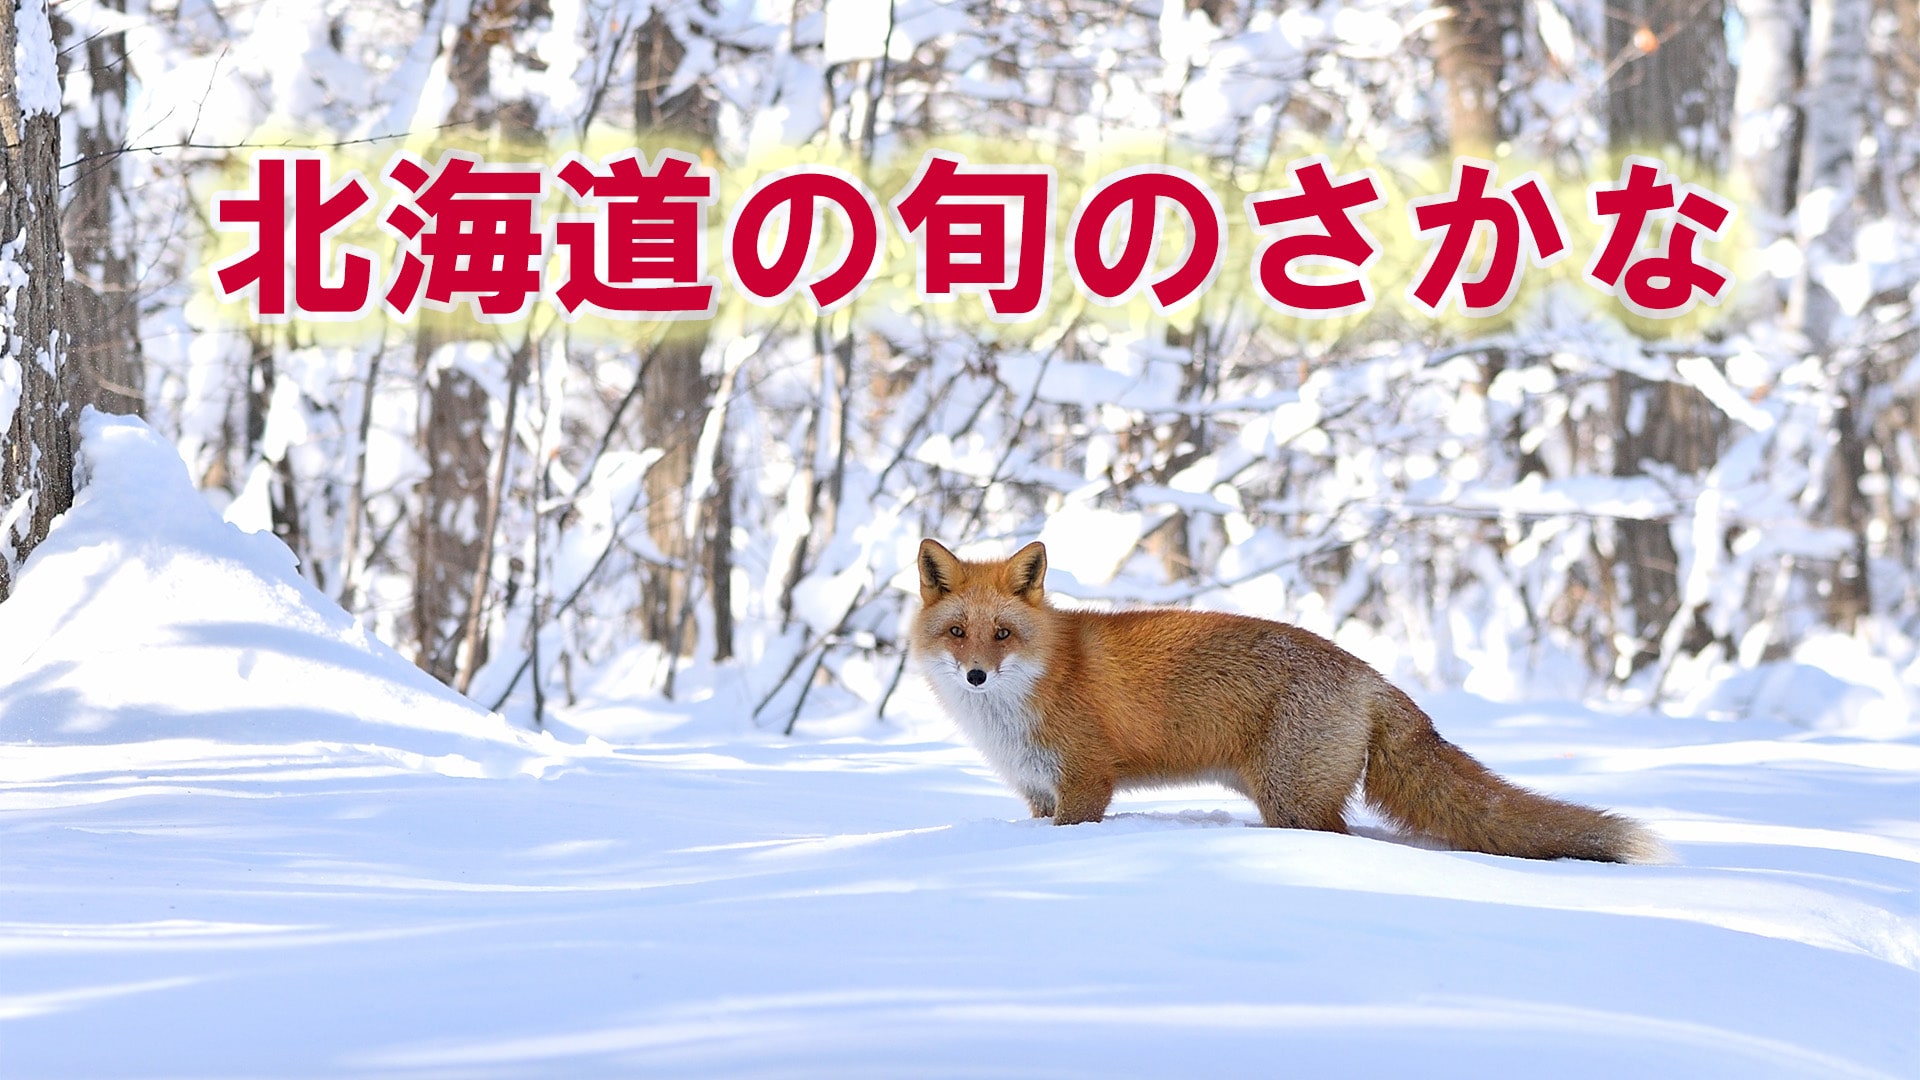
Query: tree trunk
1766, 121
1675, 426
1664, 97
447, 545
1670, 78
36, 461
450, 550
720, 559
1469, 54
351, 568
473, 651
102, 316
1838, 72
673, 402
675, 390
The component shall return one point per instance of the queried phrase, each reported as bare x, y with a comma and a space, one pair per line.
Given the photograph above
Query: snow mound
141, 589
1832, 684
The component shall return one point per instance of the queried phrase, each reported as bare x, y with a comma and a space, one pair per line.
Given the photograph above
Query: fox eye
956, 631
1002, 634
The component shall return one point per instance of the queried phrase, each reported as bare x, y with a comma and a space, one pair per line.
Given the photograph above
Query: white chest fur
1000, 721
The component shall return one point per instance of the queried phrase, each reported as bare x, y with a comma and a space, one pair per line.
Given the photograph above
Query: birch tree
1766, 119
1838, 75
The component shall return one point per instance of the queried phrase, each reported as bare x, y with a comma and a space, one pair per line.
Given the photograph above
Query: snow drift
146, 623
246, 840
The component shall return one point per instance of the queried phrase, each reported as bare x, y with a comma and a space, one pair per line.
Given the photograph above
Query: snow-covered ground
240, 838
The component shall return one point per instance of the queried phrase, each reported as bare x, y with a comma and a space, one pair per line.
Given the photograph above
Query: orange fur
1071, 705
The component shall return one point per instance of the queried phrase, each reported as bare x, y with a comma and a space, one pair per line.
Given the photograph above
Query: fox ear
939, 571
1027, 573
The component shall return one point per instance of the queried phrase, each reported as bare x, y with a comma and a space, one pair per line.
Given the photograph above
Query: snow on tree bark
676, 391
451, 551
1665, 96
36, 394
1766, 119
1839, 67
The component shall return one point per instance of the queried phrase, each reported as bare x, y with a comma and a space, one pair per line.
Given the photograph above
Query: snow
248, 840
1090, 543
856, 30
1629, 497
36, 78
142, 591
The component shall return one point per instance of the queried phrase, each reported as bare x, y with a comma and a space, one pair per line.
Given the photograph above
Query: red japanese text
1138, 193
803, 196
981, 228
1522, 209
1342, 241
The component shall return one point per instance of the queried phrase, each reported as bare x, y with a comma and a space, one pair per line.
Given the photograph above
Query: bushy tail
1430, 786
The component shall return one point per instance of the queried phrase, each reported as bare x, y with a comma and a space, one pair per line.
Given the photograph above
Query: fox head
980, 621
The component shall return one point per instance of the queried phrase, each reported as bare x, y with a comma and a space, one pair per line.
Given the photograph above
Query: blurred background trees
1570, 499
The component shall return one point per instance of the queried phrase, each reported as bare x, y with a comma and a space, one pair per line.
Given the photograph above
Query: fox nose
976, 677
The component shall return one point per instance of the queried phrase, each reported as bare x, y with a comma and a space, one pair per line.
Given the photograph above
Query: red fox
1070, 705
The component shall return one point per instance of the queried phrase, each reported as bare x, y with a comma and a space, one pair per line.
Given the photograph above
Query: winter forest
1564, 493
678, 554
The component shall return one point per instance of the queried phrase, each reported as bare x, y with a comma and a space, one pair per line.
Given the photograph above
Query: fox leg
1307, 775
1082, 798
1040, 802
1286, 810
